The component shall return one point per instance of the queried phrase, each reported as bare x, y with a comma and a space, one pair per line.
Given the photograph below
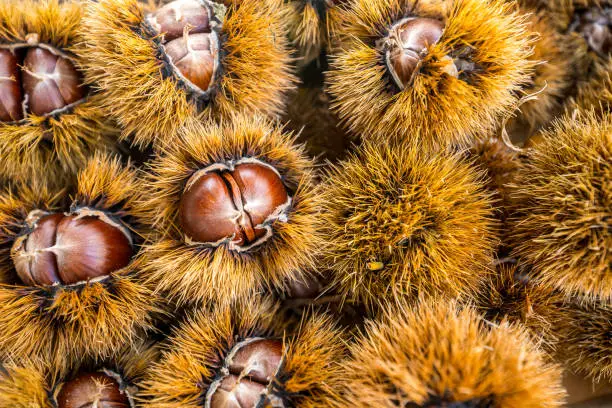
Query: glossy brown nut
194, 55
172, 19
50, 82
69, 249
595, 25
406, 43
89, 390
224, 204
11, 97
251, 365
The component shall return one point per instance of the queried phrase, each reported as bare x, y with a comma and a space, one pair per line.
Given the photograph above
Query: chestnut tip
406, 45
233, 204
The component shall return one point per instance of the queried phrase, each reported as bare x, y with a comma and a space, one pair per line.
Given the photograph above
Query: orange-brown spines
152, 82
236, 207
245, 353
50, 120
77, 295
400, 221
460, 85
436, 354
561, 200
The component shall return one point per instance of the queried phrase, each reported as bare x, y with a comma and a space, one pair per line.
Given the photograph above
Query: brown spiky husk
90, 319
437, 355
309, 375
596, 93
585, 332
64, 142
401, 221
312, 24
196, 273
562, 225
309, 116
31, 382
551, 77
437, 108
509, 295
140, 90
501, 163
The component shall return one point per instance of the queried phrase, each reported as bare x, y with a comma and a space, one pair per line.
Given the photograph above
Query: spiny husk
439, 355
312, 26
197, 273
309, 116
401, 221
596, 93
551, 78
437, 108
90, 319
31, 382
585, 346
128, 62
510, 295
562, 199
501, 163
62, 143
309, 376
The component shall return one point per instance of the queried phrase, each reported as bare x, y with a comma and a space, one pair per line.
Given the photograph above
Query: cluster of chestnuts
305, 203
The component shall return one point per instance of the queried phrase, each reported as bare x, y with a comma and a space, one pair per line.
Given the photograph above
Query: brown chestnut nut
92, 390
247, 372
233, 203
405, 45
595, 25
11, 97
50, 81
172, 19
69, 249
195, 57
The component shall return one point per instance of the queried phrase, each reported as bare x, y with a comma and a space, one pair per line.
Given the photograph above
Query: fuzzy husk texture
196, 273
436, 108
32, 383
562, 201
129, 64
62, 143
401, 221
308, 378
439, 355
90, 319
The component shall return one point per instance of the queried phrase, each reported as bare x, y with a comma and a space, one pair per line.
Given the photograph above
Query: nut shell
194, 55
11, 96
172, 19
50, 82
221, 203
69, 249
92, 390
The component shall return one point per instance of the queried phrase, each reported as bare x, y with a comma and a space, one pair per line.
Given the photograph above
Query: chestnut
50, 81
171, 19
11, 97
246, 375
97, 389
188, 40
595, 25
405, 45
233, 202
70, 248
